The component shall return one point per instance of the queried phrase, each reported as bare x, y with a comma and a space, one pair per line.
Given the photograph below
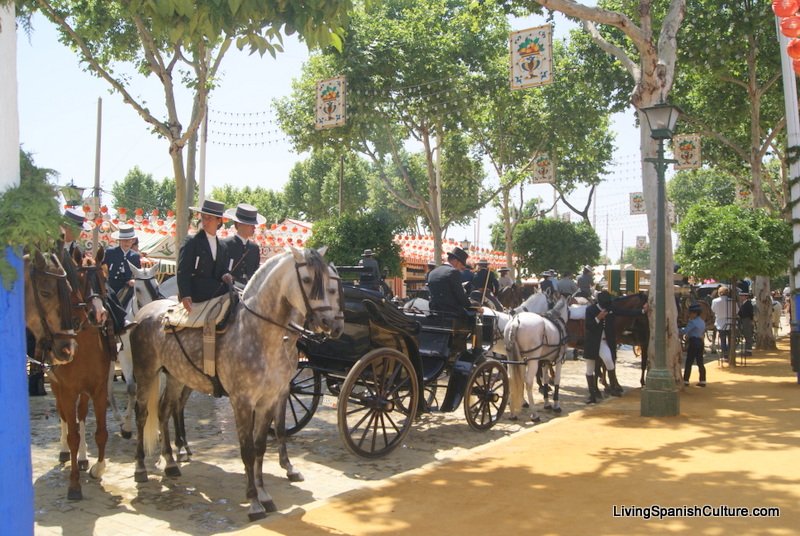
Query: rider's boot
591, 381
614, 388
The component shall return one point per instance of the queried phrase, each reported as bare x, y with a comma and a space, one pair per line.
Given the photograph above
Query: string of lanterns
786, 11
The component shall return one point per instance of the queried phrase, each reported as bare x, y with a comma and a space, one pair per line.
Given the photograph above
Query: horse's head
145, 285
92, 290
321, 291
561, 308
48, 308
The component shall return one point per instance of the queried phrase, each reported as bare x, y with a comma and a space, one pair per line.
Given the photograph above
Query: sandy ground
209, 497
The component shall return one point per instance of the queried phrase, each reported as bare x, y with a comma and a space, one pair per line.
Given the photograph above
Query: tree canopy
270, 204
552, 243
140, 190
705, 185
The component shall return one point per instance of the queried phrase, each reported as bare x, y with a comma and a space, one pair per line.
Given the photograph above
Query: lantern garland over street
787, 10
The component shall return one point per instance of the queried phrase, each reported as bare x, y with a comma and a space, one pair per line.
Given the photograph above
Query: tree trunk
181, 201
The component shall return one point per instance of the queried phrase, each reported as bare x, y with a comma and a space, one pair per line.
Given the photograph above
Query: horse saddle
212, 311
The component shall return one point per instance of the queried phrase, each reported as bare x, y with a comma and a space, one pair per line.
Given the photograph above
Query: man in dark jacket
485, 285
445, 285
118, 258
244, 256
600, 343
203, 260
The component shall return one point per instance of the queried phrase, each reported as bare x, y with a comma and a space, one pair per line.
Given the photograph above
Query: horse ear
39, 261
98, 257
299, 256
322, 251
76, 257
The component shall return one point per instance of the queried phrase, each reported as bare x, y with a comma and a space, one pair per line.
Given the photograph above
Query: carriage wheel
305, 392
487, 395
378, 403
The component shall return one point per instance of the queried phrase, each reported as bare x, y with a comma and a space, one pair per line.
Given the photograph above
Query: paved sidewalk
736, 444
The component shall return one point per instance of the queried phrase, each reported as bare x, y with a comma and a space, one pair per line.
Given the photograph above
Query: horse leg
112, 400
63, 455
283, 455
146, 409
532, 369
83, 411
245, 428
69, 416
166, 407
557, 382
100, 402
126, 365
263, 424
184, 453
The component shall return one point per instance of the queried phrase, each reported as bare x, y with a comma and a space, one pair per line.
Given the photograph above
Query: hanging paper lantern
98, 221
790, 26
170, 214
793, 49
155, 212
785, 8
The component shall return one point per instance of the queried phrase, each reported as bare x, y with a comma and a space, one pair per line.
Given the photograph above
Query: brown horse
86, 376
633, 329
510, 297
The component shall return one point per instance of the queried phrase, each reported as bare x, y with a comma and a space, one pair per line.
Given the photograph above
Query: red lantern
790, 26
104, 209
139, 211
785, 8
793, 49
122, 210
170, 214
98, 221
155, 212
796, 66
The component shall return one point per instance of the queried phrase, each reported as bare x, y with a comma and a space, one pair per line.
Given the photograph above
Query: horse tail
516, 370
151, 424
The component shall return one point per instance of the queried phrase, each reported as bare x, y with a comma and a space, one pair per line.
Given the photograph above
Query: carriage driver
244, 255
485, 285
504, 280
203, 260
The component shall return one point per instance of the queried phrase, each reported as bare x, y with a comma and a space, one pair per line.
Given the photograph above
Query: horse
510, 296
531, 338
632, 328
256, 359
48, 309
85, 377
535, 303
145, 290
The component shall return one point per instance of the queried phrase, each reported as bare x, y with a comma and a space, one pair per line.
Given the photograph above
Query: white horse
145, 290
535, 303
530, 338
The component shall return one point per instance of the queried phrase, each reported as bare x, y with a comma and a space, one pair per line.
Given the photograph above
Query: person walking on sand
694, 330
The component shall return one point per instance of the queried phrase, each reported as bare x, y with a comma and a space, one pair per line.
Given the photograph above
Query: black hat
458, 254
604, 299
211, 207
695, 308
244, 213
483, 262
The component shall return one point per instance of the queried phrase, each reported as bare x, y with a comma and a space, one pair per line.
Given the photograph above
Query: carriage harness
554, 349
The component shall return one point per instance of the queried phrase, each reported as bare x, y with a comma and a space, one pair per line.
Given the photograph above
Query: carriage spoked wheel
487, 394
305, 391
378, 402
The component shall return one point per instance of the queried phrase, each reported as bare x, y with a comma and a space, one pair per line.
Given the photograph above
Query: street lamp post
660, 395
465, 244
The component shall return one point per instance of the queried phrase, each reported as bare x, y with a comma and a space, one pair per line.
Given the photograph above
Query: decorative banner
330, 103
637, 203
543, 170
531, 57
686, 150
641, 242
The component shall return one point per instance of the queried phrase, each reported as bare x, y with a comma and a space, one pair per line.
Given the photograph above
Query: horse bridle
65, 309
309, 309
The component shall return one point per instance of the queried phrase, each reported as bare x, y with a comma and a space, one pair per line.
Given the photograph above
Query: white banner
637, 203
686, 150
531, 57
330, 109
543, 171
641, 242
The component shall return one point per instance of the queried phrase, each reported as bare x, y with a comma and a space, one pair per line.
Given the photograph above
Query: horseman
585, 282
244, 255
203, 260
120, 277
485, 286
505, 280
547, 285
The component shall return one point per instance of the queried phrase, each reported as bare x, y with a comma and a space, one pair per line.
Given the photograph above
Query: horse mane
316, 264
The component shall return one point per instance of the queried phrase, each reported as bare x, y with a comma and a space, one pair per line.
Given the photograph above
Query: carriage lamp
465, 244
660, 394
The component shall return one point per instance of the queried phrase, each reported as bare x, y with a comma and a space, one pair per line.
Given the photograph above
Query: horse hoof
269, 506
172, 471
255, 516
295, 477
556, 410
525, 405
513, 418
536, 419
140, 476
548, 406
63, 457
74, 494
125, 434
83, 465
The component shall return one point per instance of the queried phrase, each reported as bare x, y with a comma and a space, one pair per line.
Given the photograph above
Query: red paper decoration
785, 8
790, 26
794, 49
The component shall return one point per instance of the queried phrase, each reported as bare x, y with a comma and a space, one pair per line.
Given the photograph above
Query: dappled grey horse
290, 295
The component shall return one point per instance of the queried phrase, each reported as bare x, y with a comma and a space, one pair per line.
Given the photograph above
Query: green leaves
550, 243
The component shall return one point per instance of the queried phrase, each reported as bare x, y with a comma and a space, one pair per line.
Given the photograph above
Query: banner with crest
531, 57
330, 108
542, 170
641, 242
686, 150
637, 204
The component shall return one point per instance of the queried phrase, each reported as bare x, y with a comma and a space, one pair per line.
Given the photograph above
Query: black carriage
389, 366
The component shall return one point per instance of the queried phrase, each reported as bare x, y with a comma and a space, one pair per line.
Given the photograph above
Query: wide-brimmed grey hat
244, 213
483, 262
458, 254
124, 232
504, 269
368, 253
76, 217
211, 207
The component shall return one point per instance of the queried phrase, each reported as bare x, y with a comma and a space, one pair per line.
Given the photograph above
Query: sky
58, 113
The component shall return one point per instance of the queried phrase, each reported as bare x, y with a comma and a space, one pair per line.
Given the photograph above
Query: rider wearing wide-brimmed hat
245, 255
120, 276
203, 260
